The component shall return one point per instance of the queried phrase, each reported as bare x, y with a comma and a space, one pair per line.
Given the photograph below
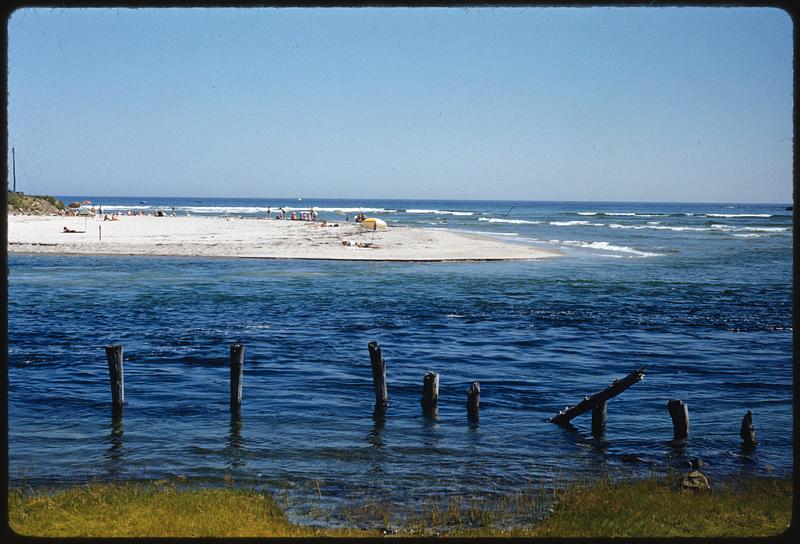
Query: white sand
259, 238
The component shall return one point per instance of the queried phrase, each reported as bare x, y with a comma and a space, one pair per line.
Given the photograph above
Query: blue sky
613, 104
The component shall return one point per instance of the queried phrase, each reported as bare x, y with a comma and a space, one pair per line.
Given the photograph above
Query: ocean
699, 295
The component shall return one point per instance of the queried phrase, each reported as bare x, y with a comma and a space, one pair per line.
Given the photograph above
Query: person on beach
293, 217
69, 230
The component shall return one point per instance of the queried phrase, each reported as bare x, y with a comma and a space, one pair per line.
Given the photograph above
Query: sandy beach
196, 236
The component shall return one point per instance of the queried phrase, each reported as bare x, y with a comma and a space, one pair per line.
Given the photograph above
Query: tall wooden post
378, 375
474, 399
114, 357
599, 413
748, 431
430, 392
680, 418
237, 372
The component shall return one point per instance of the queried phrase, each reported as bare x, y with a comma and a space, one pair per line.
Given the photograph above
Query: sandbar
203, 236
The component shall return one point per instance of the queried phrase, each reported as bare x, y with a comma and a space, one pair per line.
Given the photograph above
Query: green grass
653, 508
602, 508
152, 509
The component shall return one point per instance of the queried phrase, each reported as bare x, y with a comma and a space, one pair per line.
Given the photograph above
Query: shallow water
703, 308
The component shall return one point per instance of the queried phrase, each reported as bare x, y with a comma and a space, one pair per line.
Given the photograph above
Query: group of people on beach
310, 215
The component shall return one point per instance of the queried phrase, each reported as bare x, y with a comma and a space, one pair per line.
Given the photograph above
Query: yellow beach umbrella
373, 223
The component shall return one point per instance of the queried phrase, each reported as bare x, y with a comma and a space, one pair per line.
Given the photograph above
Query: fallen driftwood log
598, 401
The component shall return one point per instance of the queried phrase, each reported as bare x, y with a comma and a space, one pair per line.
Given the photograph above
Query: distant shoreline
230, 237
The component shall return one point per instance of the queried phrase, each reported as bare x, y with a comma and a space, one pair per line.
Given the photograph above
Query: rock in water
694, 481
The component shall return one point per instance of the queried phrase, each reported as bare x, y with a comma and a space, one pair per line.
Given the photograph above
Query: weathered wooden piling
378, 375
599, 413
588, 403
679, 412
237, 372
748, 431
473, 399
430, 392
114, 357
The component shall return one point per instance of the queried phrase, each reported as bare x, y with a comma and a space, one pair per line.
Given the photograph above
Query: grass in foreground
650, 508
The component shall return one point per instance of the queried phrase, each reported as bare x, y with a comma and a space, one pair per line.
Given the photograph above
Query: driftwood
237, 372
474, 399
430, 392
748, 430
599, 413
114, 356
679, 412
589, 403
378, 375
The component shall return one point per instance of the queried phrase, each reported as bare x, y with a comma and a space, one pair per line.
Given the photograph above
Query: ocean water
697, 294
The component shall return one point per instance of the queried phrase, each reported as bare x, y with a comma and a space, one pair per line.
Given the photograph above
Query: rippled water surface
698, 295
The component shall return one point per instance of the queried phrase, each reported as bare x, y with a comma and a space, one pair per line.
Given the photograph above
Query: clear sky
613, 104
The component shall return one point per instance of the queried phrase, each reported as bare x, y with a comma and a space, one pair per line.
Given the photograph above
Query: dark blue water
699, 295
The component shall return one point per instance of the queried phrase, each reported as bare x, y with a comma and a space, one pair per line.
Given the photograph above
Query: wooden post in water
430, 392
748, 431
237, 371
114, 357
679, 412
599, 413
378, 375
473, 399
589, 403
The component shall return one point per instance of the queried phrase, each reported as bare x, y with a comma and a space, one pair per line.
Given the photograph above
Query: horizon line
790, 202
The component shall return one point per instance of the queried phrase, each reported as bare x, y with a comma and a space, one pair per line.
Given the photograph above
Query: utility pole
14, 168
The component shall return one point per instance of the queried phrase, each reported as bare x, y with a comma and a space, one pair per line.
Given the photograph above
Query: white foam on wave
115, 207
350, 210
225, 209
656, 227
731, 228
605, 246
576, 224
612, 213
511, 221
766, 229
568, 223
485, 233
440, 212
732, 215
